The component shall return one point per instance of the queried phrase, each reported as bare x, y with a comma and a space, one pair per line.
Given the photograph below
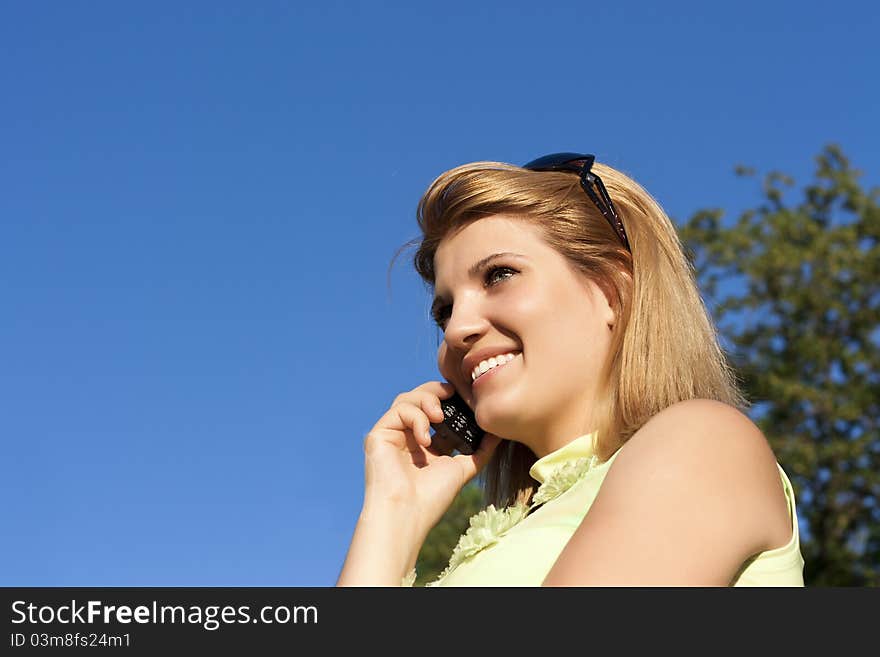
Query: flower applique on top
556, 472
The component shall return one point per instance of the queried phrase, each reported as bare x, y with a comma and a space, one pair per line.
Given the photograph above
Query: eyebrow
474, 270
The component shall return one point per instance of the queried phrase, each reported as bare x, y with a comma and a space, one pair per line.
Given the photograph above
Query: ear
609, 292
611, 320
604, 302
602, 296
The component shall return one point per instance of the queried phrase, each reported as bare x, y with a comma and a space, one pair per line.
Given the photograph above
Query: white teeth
487, 365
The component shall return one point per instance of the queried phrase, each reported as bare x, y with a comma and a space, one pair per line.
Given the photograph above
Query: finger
431, 407
432, 390
487, 447
415, 421
403, 416
428, 397
473, 463
442, 389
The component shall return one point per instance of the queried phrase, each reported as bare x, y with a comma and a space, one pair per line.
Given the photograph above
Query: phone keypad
458, 428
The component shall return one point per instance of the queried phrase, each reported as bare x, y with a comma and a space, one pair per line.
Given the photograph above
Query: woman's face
531, 303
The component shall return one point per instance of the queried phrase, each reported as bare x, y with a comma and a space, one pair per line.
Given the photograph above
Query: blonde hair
664, 347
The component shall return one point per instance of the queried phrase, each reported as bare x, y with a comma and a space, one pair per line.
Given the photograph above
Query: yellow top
512, 547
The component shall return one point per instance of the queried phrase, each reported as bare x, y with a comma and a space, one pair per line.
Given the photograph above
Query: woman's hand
403, 469
409, 486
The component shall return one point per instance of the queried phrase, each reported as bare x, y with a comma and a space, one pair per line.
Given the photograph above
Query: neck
547, 441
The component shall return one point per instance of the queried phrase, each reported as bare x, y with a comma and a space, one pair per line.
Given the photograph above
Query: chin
498, 415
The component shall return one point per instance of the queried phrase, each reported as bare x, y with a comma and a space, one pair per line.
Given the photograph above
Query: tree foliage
438, 546
801, 313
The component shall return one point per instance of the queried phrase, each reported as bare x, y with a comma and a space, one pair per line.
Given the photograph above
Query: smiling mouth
482, 373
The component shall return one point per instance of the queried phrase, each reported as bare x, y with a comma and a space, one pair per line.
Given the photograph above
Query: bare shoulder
712, 452
704, 425
692, 495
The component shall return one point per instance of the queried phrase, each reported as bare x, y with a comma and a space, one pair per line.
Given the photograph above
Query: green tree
803, 325
438, 545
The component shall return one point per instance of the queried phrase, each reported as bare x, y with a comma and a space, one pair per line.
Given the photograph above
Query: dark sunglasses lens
560, 162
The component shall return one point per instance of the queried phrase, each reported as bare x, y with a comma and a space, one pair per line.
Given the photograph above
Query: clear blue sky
200, 202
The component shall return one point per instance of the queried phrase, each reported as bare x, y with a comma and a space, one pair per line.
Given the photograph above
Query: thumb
473, 463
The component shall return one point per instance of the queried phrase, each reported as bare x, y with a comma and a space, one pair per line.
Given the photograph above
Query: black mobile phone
458, 430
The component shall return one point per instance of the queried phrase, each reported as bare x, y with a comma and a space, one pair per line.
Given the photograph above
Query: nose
466, 323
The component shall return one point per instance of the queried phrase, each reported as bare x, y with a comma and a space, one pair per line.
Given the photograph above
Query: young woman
616, 451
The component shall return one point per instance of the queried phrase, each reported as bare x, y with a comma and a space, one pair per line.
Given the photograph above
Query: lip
475, 358
491, 374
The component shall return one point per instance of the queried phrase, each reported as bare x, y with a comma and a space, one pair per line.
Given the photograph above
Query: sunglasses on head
581, 164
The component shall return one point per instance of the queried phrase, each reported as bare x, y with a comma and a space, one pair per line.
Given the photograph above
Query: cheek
443, 364
537, 327
530, 315
553, 326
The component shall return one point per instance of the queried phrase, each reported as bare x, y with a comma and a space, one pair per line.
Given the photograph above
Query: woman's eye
490, 273
442, 313
440, 317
